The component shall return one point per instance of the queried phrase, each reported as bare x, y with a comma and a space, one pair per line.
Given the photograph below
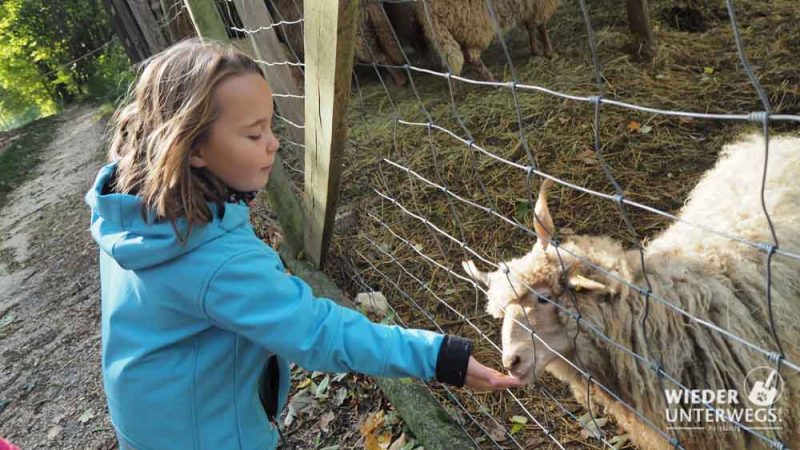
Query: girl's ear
196, 159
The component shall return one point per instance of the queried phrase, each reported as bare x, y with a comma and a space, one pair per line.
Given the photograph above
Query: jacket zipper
268, 389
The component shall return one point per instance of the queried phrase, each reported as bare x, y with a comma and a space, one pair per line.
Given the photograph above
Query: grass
20, 158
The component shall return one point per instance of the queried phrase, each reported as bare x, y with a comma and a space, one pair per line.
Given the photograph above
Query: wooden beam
268, 48
207, 20
124, 23
149, 25
282, 197
329, 34
641, 28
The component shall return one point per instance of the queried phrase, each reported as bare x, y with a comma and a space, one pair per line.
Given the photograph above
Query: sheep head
536, 291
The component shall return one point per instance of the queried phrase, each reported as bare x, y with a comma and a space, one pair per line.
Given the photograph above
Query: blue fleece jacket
187, 329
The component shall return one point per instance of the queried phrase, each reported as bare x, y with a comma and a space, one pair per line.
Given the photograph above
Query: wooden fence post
124, 23
282, 197
149, 25
641, 27
329, 34
206, 19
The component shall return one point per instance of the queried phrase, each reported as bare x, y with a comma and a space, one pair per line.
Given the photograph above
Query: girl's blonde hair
170, 109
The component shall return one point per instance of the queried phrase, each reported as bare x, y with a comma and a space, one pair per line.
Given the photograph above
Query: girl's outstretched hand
482, 378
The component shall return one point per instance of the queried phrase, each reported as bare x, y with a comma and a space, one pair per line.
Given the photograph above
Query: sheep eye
543, 299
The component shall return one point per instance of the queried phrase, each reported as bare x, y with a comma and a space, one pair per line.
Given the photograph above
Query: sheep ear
495, 310
579, 282
474, 273
542, 222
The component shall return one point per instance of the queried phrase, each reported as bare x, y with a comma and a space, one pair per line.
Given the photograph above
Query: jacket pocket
268, 384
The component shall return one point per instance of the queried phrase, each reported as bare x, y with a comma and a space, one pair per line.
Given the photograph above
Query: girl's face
240, 148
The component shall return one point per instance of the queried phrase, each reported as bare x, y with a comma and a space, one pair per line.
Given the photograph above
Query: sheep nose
511, 363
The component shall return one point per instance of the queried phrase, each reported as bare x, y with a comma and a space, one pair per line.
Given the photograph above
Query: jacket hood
134, 243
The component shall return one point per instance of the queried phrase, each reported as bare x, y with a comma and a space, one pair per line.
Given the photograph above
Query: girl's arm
251, 295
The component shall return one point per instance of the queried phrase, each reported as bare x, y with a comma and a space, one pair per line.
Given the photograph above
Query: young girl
199, 317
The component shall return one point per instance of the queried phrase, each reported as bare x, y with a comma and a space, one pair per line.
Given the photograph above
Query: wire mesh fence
445, 167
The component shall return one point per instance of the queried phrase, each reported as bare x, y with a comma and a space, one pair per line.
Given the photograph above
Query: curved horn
542, 222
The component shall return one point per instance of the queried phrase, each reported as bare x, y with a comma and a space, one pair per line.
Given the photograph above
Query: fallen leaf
391, 419
517, 423
519, 419
587, 156
86, 416
389, 319
373, 302
6, 320
634, 125
339, 377
304, 383
619, 441
340, 397
322, 388
29, 386
300, 402
645, 129
332, 447
382, 441
496, 431
374, 439
54, 431
411, 445
708, 70
591, 428
326, 420
398, 443
373, 421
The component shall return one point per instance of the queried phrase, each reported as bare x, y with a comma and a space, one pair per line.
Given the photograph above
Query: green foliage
55, 53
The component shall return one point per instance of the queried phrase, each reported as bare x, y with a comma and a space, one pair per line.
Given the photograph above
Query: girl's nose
273, 144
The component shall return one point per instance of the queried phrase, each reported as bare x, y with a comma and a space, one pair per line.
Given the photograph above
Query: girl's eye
255, 138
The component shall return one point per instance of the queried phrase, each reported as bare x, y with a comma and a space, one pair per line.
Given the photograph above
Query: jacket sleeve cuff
451, 364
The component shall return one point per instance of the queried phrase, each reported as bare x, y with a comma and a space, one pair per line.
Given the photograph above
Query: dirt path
50, 386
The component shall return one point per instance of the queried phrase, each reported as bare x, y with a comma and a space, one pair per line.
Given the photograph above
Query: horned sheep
709, 276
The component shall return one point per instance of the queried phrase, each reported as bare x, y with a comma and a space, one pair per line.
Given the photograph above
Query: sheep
374, 40
707, 275
406, 26
461, 29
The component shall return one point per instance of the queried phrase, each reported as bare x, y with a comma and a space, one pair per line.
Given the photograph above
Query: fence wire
368, 271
